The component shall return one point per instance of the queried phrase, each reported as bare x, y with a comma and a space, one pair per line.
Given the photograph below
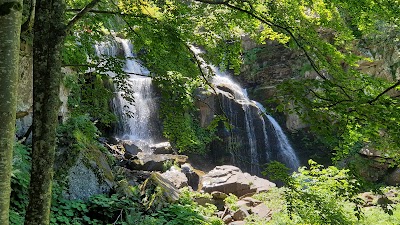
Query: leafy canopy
345, 106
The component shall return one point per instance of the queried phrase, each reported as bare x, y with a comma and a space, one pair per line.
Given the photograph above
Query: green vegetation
315, 195
347, 107
123, 209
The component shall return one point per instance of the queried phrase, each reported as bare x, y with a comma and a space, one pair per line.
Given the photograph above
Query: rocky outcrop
161, 148
245, 207
374, 166
385, 53
88, 173
230, 179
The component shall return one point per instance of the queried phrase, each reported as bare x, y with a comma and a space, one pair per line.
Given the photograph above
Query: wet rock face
230, 179
130, 147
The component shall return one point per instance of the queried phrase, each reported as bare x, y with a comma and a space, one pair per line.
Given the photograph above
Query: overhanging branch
384, 92
81, 13
96, 11
271, 24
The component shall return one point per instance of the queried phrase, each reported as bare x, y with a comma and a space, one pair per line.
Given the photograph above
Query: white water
137, 121
285, 149
224, 85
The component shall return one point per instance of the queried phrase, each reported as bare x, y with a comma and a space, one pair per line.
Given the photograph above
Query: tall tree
50, 31
10, 26
48, 36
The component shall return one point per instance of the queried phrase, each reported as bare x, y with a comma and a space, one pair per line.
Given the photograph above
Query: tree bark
49, 33
10, 25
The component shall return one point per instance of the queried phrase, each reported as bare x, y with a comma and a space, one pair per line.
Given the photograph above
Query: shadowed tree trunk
49, 31
48, 38
10, 25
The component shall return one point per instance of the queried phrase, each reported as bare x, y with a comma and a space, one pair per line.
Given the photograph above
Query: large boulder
89, 175
176, 177
230, 179
130, 147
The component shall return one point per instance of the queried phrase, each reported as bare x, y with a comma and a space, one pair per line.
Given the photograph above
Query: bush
322, 195
20, 178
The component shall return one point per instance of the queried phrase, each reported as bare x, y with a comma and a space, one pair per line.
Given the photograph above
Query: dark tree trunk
49, 34
10, 25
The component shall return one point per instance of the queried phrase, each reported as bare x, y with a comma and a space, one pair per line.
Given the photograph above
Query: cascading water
265, 138
286, 151
138, 121
256, 138
225, 86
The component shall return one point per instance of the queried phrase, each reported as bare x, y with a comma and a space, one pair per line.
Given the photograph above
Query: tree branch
271, 24
96, 11
81, 13
384, 92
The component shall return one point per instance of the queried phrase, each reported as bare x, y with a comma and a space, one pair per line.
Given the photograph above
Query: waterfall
287, 153
255, 138
270, 143
138, 121
224, 85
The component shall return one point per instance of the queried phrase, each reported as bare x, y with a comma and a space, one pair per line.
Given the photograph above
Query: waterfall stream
139, 121
256, 138
270, 138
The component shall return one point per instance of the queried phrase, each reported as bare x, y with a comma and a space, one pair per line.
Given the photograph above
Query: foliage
99, 209
277, 171
124, 210
231, 201
80, 129
90, 95
178, 113
19, 183
322, 195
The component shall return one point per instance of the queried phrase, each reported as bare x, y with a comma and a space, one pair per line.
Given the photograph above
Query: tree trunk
49, 34
10, 26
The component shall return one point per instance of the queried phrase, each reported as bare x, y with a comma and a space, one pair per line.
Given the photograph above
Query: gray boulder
230, 179
130, 147
88, 176
176, 177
